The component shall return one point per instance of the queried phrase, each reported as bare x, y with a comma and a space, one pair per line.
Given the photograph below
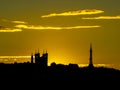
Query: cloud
74, 13
54, 28
19, 22
4, 29
104, 17
16, 22
11, 30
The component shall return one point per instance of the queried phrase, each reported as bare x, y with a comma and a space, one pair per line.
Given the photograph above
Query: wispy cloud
15, 21
4, 29
19, 22
103, 17
74, 13
53, 28
11, 30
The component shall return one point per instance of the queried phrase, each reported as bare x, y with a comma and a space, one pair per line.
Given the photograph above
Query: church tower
32, 58
37, 57
91, 58
45, 58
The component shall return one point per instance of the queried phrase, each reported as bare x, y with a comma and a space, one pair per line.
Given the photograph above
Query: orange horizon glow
6, 60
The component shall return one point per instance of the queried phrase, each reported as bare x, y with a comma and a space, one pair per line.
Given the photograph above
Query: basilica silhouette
42, 60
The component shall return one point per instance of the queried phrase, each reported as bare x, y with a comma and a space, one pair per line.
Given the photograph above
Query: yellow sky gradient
65, 28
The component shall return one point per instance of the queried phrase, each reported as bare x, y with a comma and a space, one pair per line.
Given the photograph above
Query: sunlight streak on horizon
25, 59
14, 56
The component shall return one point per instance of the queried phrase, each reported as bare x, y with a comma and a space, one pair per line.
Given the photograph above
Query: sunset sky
65, 28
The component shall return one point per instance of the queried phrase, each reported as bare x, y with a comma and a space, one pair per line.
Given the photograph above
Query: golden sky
65, 28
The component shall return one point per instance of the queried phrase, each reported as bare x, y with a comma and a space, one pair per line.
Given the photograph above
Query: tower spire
91, 58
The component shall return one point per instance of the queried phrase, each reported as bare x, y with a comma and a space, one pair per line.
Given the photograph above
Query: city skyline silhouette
59, 44
34, 58
38, 72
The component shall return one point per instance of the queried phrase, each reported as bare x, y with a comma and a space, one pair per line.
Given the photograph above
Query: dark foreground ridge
71, 75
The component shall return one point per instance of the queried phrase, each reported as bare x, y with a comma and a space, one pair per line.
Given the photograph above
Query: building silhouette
41, 60
32, 58
91, 58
